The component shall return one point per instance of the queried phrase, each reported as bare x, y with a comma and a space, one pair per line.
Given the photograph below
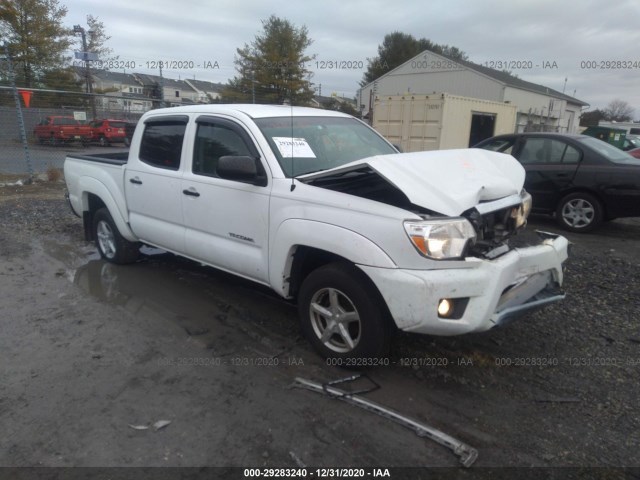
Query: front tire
113, 247
579, 212
342, 314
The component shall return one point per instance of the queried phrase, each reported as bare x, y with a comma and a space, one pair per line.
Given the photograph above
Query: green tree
591, 118
397, 48
60, 79
341, 106
36, 36
273, 66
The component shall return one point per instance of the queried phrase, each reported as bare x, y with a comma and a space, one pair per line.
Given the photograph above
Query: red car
61, 129
635, 152
108, 131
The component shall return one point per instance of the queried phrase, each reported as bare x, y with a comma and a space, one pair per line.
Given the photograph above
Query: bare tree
97, 39
618, 111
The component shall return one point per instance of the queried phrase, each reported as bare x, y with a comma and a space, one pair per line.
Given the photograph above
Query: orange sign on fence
26, 96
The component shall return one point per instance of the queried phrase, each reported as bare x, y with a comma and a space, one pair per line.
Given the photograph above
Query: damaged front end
496, 223
474, 214
482, 231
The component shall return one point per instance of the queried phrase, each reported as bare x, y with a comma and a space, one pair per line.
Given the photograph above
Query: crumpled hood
445, 181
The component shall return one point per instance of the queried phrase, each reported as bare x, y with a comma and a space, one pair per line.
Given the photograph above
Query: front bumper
496, 291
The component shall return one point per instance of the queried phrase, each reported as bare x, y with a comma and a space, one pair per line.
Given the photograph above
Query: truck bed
116, 158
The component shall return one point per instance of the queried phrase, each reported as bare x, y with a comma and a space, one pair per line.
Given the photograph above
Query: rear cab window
162, 139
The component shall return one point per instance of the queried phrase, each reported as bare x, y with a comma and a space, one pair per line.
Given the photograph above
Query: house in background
539, 108
174, 93
320, 101
207, 92
123, 94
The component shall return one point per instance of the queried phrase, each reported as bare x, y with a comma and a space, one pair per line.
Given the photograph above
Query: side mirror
397, 147
241, 168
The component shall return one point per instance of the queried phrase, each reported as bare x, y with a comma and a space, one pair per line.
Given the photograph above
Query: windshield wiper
354, 173
312, 171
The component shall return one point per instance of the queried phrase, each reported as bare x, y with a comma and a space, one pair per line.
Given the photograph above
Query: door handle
136, 180
191, 193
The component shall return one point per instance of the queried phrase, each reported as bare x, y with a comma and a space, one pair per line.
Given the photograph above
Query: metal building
539, 108
440, 121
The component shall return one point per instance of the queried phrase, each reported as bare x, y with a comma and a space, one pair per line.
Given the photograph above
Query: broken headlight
522, 211
440, 239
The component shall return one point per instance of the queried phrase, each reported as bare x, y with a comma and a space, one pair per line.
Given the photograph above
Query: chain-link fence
57, 123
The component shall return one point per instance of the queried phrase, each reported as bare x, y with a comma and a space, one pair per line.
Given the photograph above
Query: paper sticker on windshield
293, 147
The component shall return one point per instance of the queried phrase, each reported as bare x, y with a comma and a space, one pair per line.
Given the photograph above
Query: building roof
108, 76
147, 79
515, 82
205, 86
498, 76
324, 100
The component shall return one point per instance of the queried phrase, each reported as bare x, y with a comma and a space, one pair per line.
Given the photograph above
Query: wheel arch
301, 246
95, 195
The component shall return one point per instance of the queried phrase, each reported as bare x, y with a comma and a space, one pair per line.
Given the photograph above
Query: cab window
161, 144
212, 142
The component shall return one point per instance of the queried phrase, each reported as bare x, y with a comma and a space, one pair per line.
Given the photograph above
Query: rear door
551, 164
153, 183
227, 221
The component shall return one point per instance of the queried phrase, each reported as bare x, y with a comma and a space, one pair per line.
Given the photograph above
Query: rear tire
113, 247
343, 315
103, 142
579, 212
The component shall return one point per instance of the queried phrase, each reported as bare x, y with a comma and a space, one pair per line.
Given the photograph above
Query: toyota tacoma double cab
322, 209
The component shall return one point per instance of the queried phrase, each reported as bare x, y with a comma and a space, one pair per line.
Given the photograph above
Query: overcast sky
563, 33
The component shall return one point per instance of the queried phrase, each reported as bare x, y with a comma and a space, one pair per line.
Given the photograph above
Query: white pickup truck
322, 209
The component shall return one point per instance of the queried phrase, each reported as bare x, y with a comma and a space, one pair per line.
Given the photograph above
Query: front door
227, 221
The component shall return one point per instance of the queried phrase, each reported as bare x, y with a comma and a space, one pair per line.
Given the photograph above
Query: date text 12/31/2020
150, 64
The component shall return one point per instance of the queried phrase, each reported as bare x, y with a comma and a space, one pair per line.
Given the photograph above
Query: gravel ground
557, 389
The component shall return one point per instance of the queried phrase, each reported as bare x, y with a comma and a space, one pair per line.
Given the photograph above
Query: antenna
293, 185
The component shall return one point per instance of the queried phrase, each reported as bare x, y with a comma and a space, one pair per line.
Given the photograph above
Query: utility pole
87, 67
253, 86
162, 104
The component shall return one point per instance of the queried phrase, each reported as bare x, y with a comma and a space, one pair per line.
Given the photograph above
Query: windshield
633, 140
320, 143
609, 152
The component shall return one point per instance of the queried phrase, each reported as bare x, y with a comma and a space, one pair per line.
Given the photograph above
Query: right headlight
521, 212
440, 239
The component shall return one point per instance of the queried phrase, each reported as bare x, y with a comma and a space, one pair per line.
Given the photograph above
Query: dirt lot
89, 350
